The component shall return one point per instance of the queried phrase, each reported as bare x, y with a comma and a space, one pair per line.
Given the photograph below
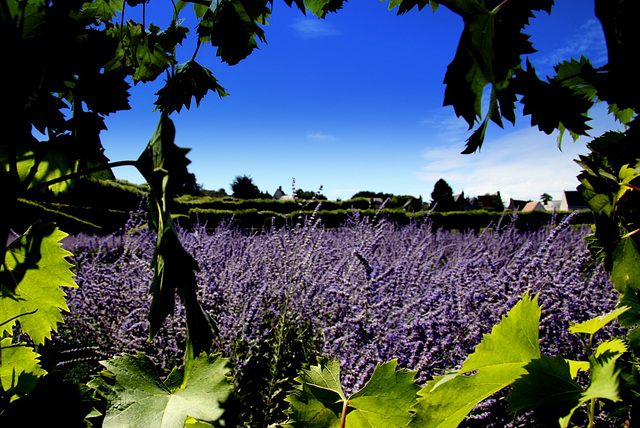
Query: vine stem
84, 173
592, 411
500, 6
343, 421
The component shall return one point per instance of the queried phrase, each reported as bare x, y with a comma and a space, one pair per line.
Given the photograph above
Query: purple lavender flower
373, 290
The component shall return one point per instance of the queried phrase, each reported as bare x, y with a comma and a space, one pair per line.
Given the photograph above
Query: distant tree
189, 186
545, 198
220, 193
244, 188
306, 194
369, 194
442, 196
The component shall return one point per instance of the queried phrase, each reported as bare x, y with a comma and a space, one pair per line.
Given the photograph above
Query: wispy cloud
320, 136
588, 40
311, 27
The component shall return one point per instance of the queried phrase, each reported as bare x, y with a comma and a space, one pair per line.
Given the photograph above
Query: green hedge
184, 205
103, 207
467, 220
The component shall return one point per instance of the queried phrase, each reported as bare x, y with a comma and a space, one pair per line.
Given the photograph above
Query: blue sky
354, 102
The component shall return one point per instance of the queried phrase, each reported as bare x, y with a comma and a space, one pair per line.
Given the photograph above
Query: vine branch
84, 173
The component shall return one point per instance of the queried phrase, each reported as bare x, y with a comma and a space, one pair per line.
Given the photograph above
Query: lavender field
364, 293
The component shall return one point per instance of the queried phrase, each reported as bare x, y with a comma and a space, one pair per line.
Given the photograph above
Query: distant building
414, 204
375, 202
572, 200
491, 202
280, 195
461, 203
552, 206
516, 204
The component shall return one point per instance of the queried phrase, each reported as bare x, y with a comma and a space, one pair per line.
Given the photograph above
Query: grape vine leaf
488, 53
104, 9
552, 104
548, 387
499, 360
39, 162
385, 400
33, 271
319, 401
320, 8
189, 80
232, 26
144, 53
625, 273
593, 325
19, 367
163, 164
615, 346
576, 367
138, 397
550, 391
195, 423
405, 6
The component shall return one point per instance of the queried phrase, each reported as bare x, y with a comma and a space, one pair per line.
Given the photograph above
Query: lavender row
375, 291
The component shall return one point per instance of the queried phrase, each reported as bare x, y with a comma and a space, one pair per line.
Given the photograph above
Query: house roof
533, 206
490, 201
516, 204
460, 200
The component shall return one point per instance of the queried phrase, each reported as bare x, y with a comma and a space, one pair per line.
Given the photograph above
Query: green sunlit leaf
45, 162
195, 423
615, 346
138, 397
499, 360
577, 366
34, 270
385, 400
595, 324
19, 367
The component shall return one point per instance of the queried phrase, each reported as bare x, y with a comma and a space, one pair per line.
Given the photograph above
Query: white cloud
311, 27
319, 136
522, 165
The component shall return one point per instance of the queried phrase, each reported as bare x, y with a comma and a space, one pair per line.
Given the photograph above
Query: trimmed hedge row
102, 207
184, 205
467, 220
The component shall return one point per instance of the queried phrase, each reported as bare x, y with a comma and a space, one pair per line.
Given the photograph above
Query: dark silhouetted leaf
190, 80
